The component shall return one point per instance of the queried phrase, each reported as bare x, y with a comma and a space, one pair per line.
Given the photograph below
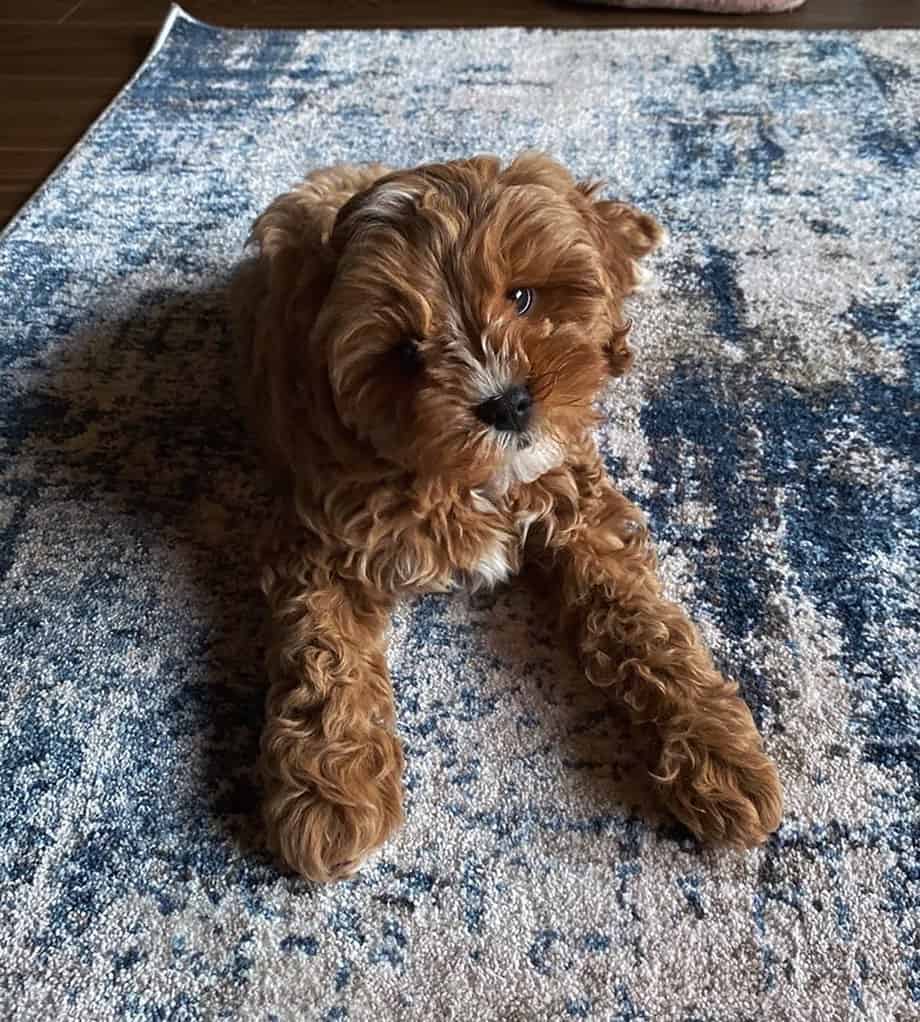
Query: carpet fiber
769, 429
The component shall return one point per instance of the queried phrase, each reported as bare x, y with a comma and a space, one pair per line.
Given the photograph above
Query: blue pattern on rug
769, 429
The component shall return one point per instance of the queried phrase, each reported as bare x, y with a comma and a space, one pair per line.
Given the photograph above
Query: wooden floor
61, 61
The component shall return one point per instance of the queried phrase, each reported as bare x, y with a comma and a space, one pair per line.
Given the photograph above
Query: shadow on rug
136, 444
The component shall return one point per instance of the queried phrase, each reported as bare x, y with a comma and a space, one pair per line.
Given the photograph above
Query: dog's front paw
723, 797
330, 804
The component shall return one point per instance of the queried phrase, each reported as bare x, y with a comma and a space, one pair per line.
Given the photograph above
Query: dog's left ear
624, 235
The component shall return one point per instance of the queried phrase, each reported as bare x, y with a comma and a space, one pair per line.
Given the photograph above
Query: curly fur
390, 485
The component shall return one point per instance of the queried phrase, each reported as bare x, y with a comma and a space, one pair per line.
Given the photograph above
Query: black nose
509, 411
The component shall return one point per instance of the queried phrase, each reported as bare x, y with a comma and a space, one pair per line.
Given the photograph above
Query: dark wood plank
21, 172
451, 13
111, 52
36, 10
49, 112
11, 200
20, 168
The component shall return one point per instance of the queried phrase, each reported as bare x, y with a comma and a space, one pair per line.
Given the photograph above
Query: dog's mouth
510, 443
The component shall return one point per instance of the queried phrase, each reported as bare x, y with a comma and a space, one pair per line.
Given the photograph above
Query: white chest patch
492, 567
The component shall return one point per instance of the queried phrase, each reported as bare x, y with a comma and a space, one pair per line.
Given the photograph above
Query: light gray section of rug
769, 430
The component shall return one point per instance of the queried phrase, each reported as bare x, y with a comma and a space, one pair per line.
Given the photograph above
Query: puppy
422, 351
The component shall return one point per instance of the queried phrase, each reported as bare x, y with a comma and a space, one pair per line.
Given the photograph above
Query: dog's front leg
711, 770
330, 763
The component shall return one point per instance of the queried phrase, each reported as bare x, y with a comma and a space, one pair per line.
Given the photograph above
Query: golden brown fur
376, 315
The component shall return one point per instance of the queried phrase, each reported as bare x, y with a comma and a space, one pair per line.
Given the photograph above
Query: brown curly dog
422, 353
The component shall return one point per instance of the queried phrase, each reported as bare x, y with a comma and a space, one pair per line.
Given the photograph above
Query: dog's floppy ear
389, 199
294, 238
624, 235
277, 296
296, 259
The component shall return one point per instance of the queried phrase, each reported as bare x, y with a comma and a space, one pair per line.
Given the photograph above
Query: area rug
769, 429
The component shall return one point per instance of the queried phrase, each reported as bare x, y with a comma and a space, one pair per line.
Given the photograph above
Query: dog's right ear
298, 263
389, 200
276, 297
294, 239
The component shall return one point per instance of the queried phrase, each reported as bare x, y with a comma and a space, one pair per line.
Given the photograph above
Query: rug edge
176, 13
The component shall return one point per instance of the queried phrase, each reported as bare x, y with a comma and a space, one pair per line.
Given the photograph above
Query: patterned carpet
769, 429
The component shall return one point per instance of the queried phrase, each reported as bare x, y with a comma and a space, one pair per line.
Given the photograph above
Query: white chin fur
524, 465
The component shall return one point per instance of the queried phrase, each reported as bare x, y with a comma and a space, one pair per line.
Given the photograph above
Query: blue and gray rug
770, 430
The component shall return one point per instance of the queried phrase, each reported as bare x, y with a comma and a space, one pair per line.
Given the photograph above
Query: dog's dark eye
408, 356
522, 297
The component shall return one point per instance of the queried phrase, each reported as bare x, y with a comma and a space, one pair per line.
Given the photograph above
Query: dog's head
471, 314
